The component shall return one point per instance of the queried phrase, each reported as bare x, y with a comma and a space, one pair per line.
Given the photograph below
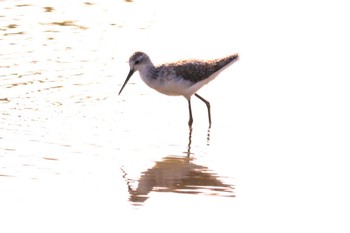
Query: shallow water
75, 156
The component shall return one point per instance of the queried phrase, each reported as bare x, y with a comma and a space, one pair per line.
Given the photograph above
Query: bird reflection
178, 175
190, 140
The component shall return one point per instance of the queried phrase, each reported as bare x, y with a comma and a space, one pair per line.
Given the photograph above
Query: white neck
146, 72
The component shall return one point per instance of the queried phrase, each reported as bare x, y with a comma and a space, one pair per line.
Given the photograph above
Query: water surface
75, 156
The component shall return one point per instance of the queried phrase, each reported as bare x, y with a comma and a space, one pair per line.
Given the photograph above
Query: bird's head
136, 62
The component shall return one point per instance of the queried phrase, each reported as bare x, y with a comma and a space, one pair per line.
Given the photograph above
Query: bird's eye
137, 62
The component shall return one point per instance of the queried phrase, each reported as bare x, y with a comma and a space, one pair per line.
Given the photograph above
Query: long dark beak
126, 80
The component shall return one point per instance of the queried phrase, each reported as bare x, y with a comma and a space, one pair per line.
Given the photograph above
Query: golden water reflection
177, 174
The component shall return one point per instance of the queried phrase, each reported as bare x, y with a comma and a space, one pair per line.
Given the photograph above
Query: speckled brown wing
196, 70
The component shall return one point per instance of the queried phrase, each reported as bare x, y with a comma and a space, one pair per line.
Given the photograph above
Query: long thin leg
208, 106
189, 108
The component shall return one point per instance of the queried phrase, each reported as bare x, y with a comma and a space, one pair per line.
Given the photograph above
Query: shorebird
182, 78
